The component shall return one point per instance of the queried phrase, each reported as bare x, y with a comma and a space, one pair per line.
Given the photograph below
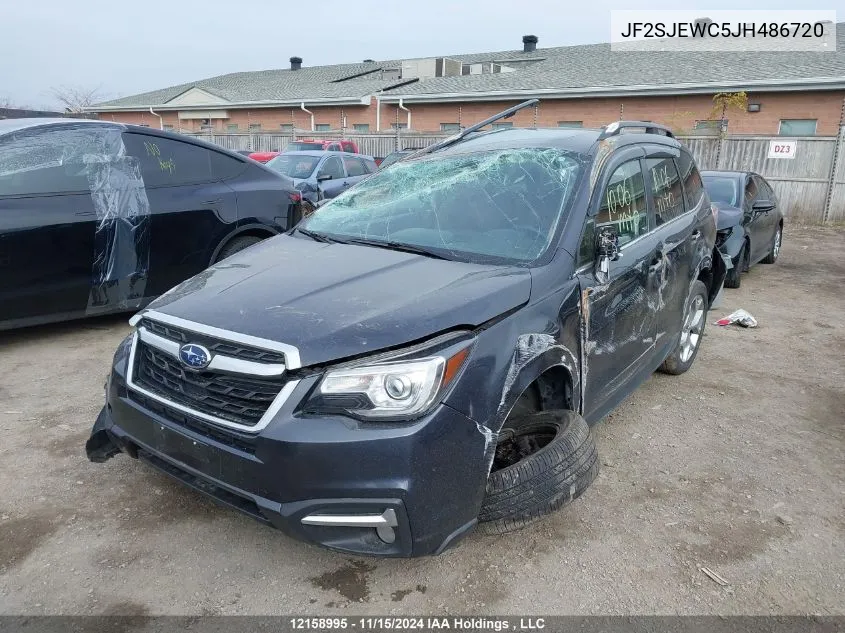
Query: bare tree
7, 103
76, 98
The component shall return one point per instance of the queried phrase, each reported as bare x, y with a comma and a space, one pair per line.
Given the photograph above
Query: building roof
559, 72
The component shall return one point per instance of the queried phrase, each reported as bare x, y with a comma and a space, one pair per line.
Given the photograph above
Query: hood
334, 301
729, 216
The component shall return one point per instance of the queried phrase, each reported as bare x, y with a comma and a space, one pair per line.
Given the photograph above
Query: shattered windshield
499, 204
721, 189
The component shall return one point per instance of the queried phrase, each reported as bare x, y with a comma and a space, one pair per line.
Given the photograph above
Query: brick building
790, 93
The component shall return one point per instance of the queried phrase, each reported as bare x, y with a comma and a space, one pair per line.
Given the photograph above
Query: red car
263, 157
336, 145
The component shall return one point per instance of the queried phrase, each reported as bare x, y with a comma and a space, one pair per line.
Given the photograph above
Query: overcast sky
132, 46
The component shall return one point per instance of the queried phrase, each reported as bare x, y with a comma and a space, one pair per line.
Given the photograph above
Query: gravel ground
737, 466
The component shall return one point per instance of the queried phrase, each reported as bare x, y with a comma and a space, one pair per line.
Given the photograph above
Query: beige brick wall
680, 113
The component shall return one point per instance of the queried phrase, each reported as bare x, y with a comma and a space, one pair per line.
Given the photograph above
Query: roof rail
650, 128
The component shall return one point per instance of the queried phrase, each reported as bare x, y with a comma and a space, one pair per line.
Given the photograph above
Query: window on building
665, 189
570, 124
323, 127
399, 126
254, 127
797, 127
168, 128
231, 127
623, 205
708, 126
450, 127
362, 128
286, 127
502, 126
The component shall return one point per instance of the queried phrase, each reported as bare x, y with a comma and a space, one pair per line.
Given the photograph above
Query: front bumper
378, 489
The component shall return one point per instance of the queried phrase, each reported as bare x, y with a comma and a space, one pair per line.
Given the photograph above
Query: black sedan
99, 217
750, 227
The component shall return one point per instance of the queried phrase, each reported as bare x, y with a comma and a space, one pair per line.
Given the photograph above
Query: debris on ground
715, 577
784, 519
740, 317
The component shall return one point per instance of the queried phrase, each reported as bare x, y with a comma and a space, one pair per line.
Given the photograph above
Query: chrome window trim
290, 352
292, 360
219, 362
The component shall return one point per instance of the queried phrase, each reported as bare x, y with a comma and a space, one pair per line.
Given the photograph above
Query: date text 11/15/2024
433, 623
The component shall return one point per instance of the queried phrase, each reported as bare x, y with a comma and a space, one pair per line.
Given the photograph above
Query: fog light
398, 387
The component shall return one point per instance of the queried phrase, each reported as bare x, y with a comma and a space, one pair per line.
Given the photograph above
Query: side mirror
607, 247
324, 177
762, 206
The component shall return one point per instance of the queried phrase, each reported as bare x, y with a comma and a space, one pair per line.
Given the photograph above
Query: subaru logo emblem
194, 356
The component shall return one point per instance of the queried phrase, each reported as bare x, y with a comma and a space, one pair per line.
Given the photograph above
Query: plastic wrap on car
122, 229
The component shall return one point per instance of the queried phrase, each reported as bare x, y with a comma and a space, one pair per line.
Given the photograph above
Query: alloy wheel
693, 325
776, 247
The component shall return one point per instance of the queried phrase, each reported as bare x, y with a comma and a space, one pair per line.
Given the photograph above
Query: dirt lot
738, 466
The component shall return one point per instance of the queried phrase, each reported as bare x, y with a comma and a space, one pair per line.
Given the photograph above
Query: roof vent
367, 61
529, 43
295, 63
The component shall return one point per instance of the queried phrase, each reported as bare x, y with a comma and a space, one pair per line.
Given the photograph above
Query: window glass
480, 206
300, 145
362, 128
348, 147
223, 167
286, 127
399, 126
797, 127
332, 167
665, 189
450, 127
231, 127
334, 147
293, 165
254, 127
623, 203
750, 193
51, 161
323, 127
587, 248
570, 124
693, 187
165, 162
354, 167
721, 189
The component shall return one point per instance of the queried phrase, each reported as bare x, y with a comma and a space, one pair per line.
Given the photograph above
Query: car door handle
214, 201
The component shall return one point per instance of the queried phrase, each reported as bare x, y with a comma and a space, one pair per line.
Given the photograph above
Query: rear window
293, 166
298, 146
485, 206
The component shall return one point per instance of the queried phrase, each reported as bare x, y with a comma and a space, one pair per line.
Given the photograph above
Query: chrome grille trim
226, 364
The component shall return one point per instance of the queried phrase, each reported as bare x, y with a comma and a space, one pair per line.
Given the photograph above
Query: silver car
321, 174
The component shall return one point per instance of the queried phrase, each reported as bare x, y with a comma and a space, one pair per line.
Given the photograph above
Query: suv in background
336, 145
320, 175
463, 316
99, 217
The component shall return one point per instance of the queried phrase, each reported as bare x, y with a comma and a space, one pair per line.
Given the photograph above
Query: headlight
398, 390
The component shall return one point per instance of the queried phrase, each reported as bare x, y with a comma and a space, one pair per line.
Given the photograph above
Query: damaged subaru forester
427, 351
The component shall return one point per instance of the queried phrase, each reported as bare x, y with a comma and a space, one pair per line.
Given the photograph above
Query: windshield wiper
317, 237
396, 246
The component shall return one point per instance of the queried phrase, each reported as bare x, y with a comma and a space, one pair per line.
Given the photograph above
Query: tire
236, 245
733, 278
693, 323
544, 480
774, 252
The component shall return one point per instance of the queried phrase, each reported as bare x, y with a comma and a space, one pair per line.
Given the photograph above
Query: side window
347, 146
59, 160
750, 193
765, 190
354, 167
332, 167
223, 167
693, 187
166, 162
587, 248
665, 189
623, 203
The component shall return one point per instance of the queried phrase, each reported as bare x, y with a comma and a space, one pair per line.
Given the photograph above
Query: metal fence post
834, 166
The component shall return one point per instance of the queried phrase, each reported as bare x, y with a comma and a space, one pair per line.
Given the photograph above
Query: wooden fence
810, 187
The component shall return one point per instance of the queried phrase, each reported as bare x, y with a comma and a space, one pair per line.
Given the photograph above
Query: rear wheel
692, 331
772, 257
543, 461
236, 245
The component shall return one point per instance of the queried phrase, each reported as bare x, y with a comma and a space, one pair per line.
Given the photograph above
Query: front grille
240, 399
215, 346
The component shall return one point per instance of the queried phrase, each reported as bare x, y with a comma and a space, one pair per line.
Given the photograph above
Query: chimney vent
529, 43
295, 63
369, 60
